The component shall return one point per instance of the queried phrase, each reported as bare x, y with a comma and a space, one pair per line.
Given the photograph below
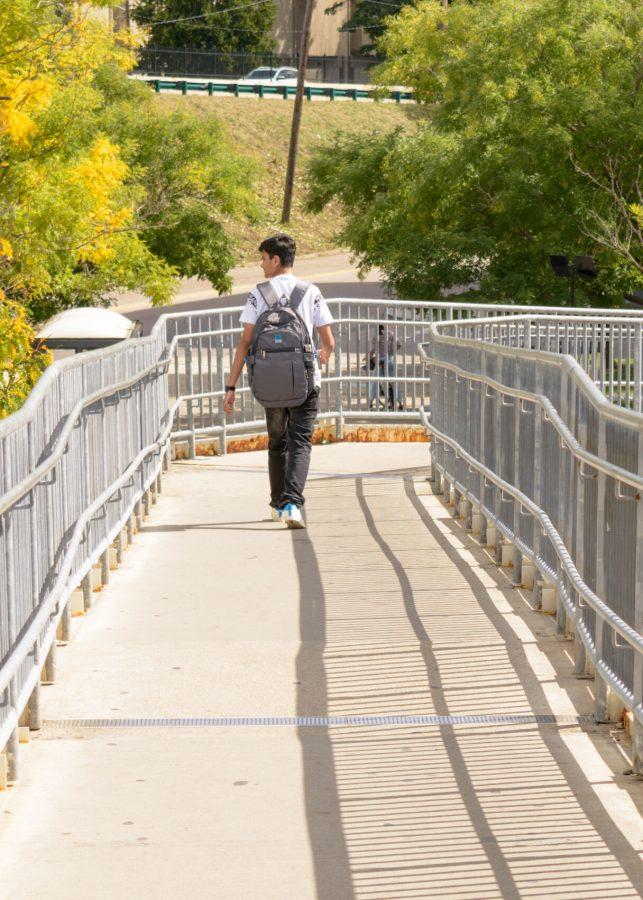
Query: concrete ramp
366, 709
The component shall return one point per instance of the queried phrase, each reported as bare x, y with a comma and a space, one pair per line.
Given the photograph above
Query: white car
265, 74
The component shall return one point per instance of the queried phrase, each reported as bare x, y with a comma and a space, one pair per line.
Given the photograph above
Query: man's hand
228, 403
237, 367
327, 342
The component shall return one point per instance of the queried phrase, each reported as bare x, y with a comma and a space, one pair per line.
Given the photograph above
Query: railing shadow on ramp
450, 810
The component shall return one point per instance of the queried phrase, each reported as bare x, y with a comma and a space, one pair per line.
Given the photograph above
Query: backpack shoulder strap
298, 294
268, 293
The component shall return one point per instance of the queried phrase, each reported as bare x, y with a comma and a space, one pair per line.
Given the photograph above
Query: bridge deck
384, 607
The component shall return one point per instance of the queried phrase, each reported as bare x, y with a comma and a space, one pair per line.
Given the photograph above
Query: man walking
381, 357
290, 428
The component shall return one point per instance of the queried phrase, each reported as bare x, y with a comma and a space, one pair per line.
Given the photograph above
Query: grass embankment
260, 129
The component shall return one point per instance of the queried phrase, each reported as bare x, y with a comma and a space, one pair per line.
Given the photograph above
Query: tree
21, 363
227, 26
100, 188
531, 145
189, 183
371, 15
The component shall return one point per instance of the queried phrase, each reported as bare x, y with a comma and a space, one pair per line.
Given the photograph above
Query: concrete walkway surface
384, 608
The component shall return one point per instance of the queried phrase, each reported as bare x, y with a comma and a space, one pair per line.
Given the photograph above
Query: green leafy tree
229, 26
189, 183
101, 189
531, 145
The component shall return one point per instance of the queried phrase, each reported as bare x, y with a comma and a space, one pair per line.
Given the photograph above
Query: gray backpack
281, 358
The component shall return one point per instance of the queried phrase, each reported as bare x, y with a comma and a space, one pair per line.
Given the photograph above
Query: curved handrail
626, 631
610, 469
562, 361
13, 661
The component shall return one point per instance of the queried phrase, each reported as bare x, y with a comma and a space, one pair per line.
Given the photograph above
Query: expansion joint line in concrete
323, 721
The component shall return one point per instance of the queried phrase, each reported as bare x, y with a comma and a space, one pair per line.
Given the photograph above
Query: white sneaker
277, 514
292, 516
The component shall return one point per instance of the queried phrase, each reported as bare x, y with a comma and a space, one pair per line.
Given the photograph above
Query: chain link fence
165, 61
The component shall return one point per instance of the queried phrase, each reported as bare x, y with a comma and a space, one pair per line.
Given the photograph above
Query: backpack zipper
264, 353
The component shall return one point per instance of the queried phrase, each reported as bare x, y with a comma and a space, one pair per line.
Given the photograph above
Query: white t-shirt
313, 309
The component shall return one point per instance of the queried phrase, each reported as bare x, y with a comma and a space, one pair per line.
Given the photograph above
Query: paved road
335, 274
383, 608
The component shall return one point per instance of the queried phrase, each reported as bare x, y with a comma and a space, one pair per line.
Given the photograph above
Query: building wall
117, 17
285, 38
102, 14
326, 39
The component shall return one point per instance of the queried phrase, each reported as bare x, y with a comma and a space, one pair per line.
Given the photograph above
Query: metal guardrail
286, 91
204, 348
609, 348
83, 456
77, 461
549, 471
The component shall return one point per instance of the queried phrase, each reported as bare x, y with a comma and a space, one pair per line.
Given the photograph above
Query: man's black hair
281, 245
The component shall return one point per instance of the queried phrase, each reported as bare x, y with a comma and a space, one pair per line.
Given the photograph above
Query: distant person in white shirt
290, 429
382, 358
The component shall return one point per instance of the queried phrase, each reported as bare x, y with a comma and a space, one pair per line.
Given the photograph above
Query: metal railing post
222, 380
637, 374
49, 669
12, 625
637, 674
190, 407
600, 686
34, 708
538, 477
339, 422
517, 527
104, 567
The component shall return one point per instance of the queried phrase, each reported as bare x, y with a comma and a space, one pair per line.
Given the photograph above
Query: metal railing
205, 341
285, 91
203, 349
550, 472
609, 348
77, 460
83, 456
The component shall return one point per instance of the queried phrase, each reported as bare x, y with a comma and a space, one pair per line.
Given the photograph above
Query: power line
234, 9
215, 12
377, 3
228, 30
204, 50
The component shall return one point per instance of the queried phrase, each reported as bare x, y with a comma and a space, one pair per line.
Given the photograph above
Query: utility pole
296, 114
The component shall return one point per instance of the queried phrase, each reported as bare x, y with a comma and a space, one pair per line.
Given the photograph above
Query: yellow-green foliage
66, 204
100, 190
20, 363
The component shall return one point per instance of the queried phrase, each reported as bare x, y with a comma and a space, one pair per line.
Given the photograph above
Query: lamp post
583, 266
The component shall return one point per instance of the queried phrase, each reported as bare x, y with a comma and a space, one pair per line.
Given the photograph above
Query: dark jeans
290, 433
